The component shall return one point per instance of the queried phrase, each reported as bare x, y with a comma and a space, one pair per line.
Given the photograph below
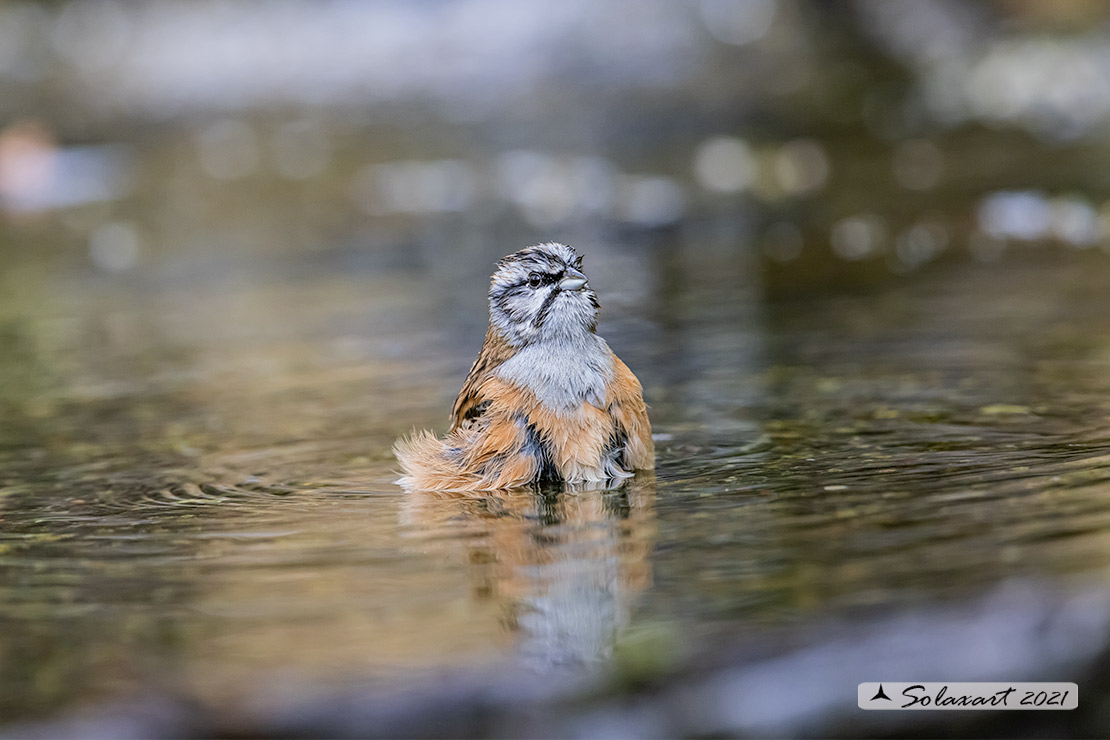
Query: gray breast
563, 373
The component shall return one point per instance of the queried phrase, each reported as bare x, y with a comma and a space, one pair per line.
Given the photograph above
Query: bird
546, 400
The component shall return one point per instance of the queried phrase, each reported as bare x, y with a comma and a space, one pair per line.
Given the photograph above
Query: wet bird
546, 400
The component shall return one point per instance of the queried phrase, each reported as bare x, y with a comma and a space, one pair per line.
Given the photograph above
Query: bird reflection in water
565, 567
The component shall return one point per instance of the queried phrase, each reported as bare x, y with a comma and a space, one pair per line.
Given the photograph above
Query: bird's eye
535, 280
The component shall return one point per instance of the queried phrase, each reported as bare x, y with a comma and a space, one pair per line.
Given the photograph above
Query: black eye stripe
550, 274
546, 278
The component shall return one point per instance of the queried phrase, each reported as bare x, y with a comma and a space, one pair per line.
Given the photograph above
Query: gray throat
563, 372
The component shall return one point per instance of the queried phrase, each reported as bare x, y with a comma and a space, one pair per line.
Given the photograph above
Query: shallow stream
197, 498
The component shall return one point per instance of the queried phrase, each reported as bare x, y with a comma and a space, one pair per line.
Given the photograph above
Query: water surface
197, 489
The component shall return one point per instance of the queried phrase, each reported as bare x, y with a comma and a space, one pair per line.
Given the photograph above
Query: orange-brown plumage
495, 350
545, 400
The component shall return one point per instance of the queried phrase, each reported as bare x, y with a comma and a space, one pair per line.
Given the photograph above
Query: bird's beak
572, 279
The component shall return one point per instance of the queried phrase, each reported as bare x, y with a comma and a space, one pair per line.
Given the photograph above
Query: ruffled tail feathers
441, 466
424, 462
436, 465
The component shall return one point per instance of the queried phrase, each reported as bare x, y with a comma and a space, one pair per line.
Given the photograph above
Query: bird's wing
629, 413
471, 402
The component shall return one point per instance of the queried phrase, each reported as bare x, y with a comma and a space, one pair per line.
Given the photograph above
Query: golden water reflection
563, 570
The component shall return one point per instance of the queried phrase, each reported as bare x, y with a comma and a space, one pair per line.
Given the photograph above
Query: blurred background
857, 252
837, 144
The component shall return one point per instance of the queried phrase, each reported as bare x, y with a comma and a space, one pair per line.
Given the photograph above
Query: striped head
540, 293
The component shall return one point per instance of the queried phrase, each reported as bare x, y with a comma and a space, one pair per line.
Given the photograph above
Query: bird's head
541, 293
